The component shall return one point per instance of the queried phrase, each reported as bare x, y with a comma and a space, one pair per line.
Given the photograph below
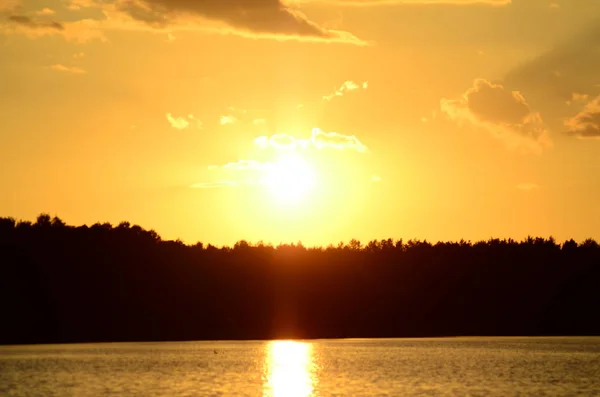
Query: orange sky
312, 120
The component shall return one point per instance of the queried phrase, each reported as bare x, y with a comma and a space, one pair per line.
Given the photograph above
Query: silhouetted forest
61, 283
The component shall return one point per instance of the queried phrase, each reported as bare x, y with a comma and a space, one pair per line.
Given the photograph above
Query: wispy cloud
346, 87
45, 11
199, 123
505, 114
31, 23
318, 140
577, 97
586, 124
179, 123
333, 140
212, 185
79, 31
278, 142
67, 69
246, 165
228, 119
77, 5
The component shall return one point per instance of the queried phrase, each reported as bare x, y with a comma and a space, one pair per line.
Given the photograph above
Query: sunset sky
311, 120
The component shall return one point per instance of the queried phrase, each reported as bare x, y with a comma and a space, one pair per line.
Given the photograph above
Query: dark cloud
553, 80
570, 67
259, 16
586, 124
492, 103
35, 24
506, 114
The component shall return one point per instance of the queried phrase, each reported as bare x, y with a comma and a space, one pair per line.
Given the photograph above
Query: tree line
61, 283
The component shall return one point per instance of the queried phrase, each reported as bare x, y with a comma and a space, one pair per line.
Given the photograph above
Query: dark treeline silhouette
61, 283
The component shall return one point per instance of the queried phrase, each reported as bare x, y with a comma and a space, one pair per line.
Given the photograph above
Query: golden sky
311, 120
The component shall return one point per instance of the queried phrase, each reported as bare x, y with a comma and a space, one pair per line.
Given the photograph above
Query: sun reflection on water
289, 369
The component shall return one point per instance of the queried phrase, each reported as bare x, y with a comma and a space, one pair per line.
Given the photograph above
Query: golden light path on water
289, 368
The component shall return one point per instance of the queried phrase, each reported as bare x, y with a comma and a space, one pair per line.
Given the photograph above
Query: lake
345, 367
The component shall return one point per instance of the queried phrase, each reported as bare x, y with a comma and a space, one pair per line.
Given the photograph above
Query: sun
290, 178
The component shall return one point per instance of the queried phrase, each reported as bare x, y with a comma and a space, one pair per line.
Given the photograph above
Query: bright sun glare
290, 178
289, 369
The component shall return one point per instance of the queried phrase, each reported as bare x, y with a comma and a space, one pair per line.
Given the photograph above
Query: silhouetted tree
61, 283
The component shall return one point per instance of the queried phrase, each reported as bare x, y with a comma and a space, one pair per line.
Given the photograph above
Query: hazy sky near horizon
311, 120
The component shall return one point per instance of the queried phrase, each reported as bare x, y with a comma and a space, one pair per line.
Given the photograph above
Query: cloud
282, 165
333, 140
318, 140
80, 31
556, 74
179, 123
270, 19
199, 123
212, 185
30, 23
277, 142
257, 18
228, 120
505, 114
76, 5
246, 165
577, 97
347, 86
258, 121
586, 124
67, 69
528, 186
379, 3
45, 11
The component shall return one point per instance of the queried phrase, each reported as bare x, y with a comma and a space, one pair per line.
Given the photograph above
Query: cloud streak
213, 185
246, 165
80, 31
333, 140
318, 140
346, 87
67, 69
30, 23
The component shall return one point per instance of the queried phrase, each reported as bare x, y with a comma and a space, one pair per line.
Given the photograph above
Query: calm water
397, 367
